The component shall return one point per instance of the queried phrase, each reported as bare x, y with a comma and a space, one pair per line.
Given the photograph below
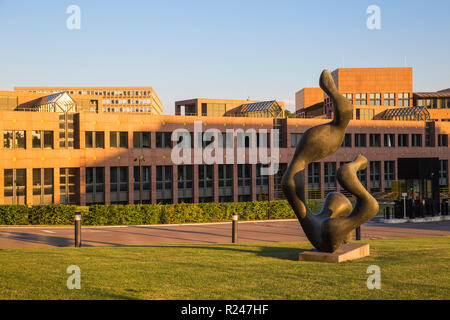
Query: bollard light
235, 227
78, 229
358, 233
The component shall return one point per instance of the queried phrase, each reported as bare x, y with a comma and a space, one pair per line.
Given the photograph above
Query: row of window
403, 140
15, 182
436, 103
389, 141
330, 169
374, 171
127, 109
127, 101
375, 99
16, 139
119, 139
106, 93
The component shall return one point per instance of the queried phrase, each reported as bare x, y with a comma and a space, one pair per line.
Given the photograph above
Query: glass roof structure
58, 102
264, 109
405, 114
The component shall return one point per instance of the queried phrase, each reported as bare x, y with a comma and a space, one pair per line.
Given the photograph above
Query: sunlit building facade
113, 99
62, 148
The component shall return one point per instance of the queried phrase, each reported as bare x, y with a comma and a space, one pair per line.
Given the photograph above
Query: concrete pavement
265, 231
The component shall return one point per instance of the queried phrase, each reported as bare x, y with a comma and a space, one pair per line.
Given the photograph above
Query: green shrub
52, 214
98, 215
13, 215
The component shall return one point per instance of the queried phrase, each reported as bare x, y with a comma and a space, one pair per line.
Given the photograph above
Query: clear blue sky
218, 49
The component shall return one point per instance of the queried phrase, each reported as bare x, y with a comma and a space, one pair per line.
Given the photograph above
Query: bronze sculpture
335, 223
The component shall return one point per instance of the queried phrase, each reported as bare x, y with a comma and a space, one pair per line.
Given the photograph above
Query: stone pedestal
346, 252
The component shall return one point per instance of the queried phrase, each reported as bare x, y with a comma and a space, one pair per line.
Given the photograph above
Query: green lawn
416, 268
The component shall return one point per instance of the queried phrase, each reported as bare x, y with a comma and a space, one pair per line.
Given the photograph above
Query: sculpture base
346, 252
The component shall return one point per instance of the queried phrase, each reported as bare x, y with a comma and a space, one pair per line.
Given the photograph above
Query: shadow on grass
283, 253
113, 296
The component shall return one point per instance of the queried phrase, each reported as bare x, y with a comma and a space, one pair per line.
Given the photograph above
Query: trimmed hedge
146, 214
52, 214
14, 215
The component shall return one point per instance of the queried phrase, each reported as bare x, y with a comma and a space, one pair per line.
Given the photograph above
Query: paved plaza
264, 231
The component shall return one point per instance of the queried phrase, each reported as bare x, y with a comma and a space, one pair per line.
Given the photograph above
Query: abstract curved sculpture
335, 223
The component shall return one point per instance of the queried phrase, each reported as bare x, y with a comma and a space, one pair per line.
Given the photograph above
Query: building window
146, 185
118, 185
389, 99
244, 182
243, 140
205, 139
375, 174
205, 183
262, 183
443, 173
68, 185
14, 139
361, 99
424, 103
375, 140
185, 182
225, 175
389, 140
416, 140
389, 174
261, 180
141, 140
349, 96
95, 139
244, 175
443, 140
226, 183
329, 174
42, 139
362, 176
164, 184
185, 140
15, 186
95, 185
66, 130
347, 143
403, 140
295, 139
360, 140
314, 181
164, 140
434, 103
118, 139
364, 114
375, 99
278, 177
43, 186
205, 176
263, 140
403, 99
226, 140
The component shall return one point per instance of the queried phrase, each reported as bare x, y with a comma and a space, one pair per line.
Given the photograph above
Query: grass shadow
283, 253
